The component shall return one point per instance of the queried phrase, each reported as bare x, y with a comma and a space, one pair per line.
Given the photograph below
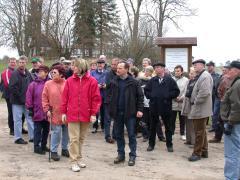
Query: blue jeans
216, 112
232, 154
57, 132
18, 110
107, 124
119, 132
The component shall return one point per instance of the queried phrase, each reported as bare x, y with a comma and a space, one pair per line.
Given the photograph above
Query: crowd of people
63, 100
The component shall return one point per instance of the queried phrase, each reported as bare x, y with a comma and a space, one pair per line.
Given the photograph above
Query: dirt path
19, 162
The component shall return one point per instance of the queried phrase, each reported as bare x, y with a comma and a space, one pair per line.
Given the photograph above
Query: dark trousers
145, 122
181, 121
155, 124
41, 130
100, 114
216, 113
201, 144
10, 115
107, 125
119, 132
219, 129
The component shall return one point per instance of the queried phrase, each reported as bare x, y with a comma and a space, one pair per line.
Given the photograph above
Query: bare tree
13, 24
133, 12
168, 11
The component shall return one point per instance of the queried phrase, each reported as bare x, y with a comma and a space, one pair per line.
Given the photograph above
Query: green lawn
4, 64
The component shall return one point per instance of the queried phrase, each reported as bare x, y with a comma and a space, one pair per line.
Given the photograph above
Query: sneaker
65, 153
20, 141
183, 138
82, 165
55, 156
119, 159
75, 168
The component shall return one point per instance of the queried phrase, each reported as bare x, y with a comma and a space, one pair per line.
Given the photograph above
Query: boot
38, 150
65, 153
55, 156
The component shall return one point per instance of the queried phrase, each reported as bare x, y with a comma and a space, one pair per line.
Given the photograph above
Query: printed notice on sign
176, 56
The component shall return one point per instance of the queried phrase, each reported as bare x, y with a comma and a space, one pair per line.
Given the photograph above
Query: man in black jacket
19, 81
161, 90
125, 103
110, 75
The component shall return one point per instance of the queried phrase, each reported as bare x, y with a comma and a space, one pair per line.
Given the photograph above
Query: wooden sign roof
175, 41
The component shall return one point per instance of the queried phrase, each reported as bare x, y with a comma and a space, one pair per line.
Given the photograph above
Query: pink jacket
52, 99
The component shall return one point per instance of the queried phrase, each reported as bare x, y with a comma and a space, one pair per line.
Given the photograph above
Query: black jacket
18, 85
133, 97
161, 94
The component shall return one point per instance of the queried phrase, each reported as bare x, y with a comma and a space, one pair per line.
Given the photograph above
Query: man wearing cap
223, 85
100, 75
35, 66
161, 90
67, 67
230, 113
215, 100
200, 96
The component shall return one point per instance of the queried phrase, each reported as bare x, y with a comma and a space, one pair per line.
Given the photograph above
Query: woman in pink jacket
51, 101
81, 101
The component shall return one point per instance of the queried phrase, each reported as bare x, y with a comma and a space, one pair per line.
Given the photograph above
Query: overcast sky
216, 27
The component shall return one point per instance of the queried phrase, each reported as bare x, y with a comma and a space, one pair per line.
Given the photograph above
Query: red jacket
81, 98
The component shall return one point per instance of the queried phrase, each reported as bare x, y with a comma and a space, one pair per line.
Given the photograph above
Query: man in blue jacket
100, 75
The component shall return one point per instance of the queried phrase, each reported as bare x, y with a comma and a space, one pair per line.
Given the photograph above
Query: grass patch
4, 64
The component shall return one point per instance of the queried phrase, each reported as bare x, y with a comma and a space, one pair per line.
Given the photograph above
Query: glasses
54, 72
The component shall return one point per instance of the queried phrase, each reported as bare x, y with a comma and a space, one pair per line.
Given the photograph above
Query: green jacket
230, 106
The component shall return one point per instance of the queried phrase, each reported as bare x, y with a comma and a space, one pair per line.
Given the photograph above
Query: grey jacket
230, 106
201, 98
182, 85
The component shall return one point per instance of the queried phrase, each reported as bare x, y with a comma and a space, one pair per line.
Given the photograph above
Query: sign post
176, 51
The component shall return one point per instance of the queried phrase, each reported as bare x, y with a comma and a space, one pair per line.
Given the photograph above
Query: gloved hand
93, 119
64, 118
30, 112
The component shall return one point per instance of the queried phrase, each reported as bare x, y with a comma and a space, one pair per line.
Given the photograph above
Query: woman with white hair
81, 101
145, 63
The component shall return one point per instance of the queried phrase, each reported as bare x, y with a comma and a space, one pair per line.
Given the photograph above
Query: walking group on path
63, 100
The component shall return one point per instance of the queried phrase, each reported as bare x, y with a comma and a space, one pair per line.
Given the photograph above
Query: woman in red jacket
81, 101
